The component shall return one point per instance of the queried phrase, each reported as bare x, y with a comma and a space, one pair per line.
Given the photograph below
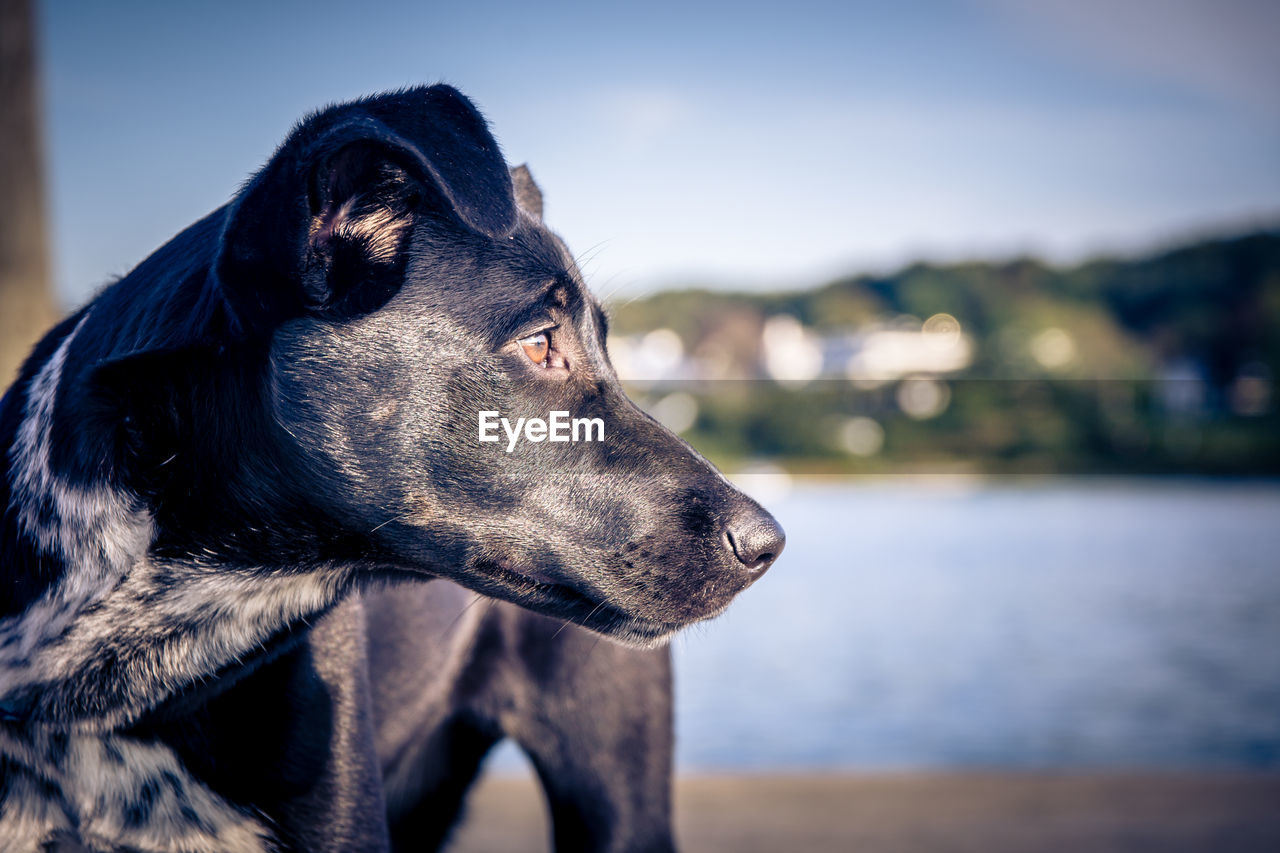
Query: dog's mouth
537, 591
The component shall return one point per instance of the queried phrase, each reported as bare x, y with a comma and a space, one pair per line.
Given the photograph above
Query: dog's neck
119, 630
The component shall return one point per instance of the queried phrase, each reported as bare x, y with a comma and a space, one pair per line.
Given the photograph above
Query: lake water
1045, 624
1078, 623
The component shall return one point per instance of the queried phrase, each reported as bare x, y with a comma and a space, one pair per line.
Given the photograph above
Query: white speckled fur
98, 779
96, 532
109, 601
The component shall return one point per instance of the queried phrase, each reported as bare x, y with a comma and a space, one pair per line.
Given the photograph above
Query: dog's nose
756, 538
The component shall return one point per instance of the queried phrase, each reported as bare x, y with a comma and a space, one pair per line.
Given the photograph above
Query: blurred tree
27, 304
1162, 363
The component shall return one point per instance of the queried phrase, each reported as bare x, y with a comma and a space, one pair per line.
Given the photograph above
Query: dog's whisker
463, 612
608, 292
593, 612
391, 519
621, 286
589, 254
592, 649
475, 635
586, 263
560, 630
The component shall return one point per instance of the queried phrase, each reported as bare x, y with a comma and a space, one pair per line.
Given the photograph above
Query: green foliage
1210, 311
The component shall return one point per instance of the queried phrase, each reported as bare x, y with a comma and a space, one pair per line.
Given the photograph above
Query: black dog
214, 469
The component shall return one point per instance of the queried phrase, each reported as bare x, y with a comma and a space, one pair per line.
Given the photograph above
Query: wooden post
27, 303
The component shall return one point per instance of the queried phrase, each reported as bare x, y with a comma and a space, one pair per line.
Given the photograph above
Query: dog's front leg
599, 735
346, 809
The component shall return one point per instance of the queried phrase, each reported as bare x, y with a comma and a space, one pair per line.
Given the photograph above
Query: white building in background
793, 353
883, 354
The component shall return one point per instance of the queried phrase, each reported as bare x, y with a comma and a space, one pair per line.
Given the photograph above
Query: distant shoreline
929, 812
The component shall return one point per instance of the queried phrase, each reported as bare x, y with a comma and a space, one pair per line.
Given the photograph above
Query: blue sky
732, 144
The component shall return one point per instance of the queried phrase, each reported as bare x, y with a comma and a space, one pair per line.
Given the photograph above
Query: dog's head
404, 282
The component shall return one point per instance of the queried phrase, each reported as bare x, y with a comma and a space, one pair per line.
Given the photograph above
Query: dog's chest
111, 792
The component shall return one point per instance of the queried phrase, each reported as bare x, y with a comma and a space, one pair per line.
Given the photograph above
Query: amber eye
536, 347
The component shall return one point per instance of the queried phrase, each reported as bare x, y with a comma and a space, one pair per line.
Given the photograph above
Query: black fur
250, 442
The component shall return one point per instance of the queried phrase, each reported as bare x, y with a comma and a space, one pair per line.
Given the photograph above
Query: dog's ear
323, 227
528, 196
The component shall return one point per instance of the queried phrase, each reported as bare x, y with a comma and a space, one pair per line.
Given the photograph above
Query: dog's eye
537, 347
